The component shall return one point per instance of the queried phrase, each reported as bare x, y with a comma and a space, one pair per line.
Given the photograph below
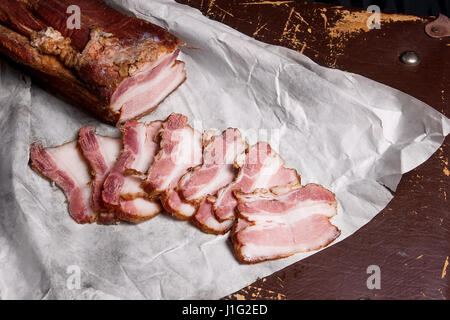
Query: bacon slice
205, 220
122, 188
180, 149
284, 221
173, 203
101, 153
260, 167
216, 171
117, 66
65, 166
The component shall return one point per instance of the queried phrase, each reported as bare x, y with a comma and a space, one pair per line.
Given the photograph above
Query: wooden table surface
410, 239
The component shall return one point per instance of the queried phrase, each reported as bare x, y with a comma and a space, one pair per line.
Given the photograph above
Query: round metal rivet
435, 29
410, 58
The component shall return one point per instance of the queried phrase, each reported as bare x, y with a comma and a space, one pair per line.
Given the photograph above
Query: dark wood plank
409, 239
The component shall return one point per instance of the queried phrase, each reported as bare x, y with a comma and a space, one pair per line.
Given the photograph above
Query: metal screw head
435, 29
410, 58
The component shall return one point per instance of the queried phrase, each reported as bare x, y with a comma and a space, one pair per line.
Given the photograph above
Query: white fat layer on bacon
187, 154
271, 165
132, 186
145, 157
213, 224
171, 76
109, 148
253, 252
70, 160
147, 146
142, 207
301, 210
186, 209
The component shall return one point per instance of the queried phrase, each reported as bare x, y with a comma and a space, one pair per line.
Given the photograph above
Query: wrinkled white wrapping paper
351, 134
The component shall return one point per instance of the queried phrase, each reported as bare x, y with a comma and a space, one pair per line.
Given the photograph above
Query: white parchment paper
351, 134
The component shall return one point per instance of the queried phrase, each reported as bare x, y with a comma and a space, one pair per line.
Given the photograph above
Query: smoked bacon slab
116, 66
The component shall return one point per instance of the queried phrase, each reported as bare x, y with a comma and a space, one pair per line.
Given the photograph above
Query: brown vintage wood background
410, 238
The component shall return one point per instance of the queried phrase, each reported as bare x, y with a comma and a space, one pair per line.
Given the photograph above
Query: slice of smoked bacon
201, 183
117, 66
66, 167
180, 150
284, 221
216, 171
205, 220
100, 153
122, 190
260, 167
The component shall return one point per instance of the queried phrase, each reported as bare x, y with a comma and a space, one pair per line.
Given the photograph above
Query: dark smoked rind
51, 73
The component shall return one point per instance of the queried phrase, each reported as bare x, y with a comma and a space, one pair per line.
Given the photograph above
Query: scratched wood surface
409, 239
